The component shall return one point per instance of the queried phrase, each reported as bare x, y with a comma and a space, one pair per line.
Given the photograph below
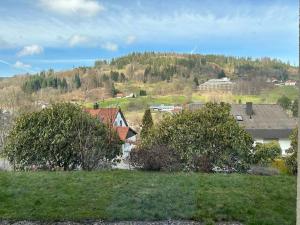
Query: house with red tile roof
114, 118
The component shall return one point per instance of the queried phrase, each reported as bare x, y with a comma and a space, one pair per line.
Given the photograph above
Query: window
239, 118
121, 123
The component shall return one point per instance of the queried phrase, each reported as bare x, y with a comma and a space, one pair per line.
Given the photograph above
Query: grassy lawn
128, 195
140, 103
272, 95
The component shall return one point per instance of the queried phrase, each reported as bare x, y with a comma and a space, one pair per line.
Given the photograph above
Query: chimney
249, 109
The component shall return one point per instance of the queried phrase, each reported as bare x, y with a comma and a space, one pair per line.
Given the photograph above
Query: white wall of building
119, 121
4, 165
284, 143
128, 146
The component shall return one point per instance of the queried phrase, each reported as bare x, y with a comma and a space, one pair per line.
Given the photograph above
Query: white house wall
119, 121
284, 143
128, 146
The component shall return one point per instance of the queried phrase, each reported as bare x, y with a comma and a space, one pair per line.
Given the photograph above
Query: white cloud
268, 27
30, 50
77, 39
67, 7
20, 65
64, 60
110, 46
130, 39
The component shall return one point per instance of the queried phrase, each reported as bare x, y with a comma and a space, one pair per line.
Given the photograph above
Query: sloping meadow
134, 195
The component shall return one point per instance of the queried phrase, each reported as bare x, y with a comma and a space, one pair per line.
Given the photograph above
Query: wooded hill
158, 66
104, 78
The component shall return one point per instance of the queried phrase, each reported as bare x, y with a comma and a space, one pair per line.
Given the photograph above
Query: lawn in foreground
134, 195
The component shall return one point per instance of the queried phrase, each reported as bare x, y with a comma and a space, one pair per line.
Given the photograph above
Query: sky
38, 35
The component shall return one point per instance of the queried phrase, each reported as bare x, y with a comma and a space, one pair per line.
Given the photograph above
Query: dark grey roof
268, 121
270, 133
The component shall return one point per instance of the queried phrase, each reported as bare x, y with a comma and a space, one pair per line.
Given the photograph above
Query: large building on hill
265, 122
223, 84
114, 118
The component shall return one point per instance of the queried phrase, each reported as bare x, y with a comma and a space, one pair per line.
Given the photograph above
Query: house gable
120, 120
110, 116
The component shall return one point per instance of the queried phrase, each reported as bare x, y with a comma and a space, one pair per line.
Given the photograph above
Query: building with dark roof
265, 122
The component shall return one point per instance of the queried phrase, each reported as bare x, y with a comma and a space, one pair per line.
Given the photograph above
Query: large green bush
291, 160
284, 102
61, 136
205, 138
266, 153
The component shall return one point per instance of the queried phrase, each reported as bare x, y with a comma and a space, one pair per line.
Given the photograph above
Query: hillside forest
154, 78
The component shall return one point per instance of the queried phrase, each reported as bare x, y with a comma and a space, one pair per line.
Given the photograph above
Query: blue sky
40, 34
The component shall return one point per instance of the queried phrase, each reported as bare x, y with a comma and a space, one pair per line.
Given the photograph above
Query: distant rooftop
224, 80
266, 120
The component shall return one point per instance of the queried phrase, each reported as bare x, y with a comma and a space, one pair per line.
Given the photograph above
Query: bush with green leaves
280, 165
63, 136
143, 93
266, 153
291, 160
210, 134
155, 157
284, 102
294, 108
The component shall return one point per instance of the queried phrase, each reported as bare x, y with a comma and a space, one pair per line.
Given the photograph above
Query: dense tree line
36, 82
164, 66
117, 77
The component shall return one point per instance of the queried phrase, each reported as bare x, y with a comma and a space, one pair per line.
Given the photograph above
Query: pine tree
64, 84
77, 81
96, 105
147, 123
196, 81
113, 91
221, 74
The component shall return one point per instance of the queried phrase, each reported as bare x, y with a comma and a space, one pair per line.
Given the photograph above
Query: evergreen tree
96, 105
44, 83
77, 81
114, 75
114, 91
147, 123
64, 84
196, 81
122, 77
221, 74
143, 93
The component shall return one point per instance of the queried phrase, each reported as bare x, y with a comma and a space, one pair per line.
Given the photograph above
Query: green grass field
135, 107
140, 103
134, 195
